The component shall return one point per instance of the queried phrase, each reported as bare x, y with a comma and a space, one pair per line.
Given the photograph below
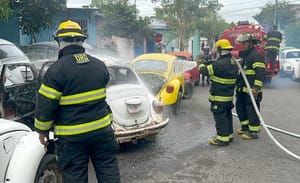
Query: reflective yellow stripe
220, 98
272, 47
210, 70
250, 72
245, 89
83, 128
246, 122
254, 128
274, 39
230, 136
223, 138
223, 80
83, 97
258, 83
258, 64
42, 125
201, 65
49, 92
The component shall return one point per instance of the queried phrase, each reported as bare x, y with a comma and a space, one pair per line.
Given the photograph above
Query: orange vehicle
258, 33
191, 77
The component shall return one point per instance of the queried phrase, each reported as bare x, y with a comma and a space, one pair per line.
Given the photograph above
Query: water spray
265, 126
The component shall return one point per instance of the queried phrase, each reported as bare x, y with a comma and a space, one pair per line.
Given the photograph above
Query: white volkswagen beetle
23, 158
289, 60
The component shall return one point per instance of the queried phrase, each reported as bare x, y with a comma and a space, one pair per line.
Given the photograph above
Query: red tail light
268, 66
157, 106
170, 89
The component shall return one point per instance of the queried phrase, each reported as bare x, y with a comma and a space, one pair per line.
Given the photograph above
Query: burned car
136, 113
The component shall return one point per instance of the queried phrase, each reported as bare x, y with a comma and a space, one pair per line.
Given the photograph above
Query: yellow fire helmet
223, 44
68, 31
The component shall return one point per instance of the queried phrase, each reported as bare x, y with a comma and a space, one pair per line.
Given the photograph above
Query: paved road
181, 152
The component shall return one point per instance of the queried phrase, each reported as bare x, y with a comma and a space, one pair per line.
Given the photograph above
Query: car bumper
136, 134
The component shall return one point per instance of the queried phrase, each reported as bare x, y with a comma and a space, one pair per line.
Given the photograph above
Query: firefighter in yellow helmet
223, 73
71, 99
254, 67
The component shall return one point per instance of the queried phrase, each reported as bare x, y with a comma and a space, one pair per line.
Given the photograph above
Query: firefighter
223, 73
274, 38
71, 99
254, 68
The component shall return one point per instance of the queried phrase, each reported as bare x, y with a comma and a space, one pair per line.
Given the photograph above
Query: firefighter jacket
274, 39
254, 68
223, 74
72, 95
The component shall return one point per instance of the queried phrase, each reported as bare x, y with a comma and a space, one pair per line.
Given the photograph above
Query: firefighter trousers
271, 57
246, 112
223, 118
74, 154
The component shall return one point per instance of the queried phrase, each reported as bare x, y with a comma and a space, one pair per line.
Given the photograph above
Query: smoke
279, 82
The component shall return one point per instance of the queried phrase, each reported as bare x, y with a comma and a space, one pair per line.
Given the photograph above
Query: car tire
175, 107
48, 170
189, 90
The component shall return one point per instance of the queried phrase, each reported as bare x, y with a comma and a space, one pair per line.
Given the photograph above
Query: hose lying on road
261, 119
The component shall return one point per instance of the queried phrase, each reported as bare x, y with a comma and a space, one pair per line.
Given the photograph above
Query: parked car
163, 74
289, 60
10, 53
41, 52
23, 158
192, 76
136, 113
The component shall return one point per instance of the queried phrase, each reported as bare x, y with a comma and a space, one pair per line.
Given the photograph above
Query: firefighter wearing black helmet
72, 99
254, 68
223, 73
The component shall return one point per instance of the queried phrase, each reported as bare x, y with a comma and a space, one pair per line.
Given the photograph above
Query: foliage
285, 14
183, 16
36, 15
5, 10
212, 25
292, 32
120, 19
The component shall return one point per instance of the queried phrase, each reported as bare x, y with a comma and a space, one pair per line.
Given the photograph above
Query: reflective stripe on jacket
72, 95
223, 75
274, 39
254, 68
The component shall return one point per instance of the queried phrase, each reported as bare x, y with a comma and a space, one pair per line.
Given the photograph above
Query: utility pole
275, 14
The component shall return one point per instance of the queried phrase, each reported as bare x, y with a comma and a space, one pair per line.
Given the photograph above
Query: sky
232, 10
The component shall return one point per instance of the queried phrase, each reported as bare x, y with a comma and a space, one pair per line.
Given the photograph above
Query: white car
136, 113
289, 60
23, 158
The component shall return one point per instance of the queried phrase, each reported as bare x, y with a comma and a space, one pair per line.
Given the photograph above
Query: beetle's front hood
130, 104
154, 82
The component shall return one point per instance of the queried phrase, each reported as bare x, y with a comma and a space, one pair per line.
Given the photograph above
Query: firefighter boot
217, 142
249, 135
242, 130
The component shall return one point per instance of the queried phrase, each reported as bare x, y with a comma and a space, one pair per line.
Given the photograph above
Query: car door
18, 87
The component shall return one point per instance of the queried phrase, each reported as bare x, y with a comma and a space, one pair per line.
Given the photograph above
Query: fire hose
265, 126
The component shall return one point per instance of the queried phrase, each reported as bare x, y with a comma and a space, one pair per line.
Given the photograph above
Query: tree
5, 10
183, 15
292, 34
120, 19
212, 25
37, 15
285, 14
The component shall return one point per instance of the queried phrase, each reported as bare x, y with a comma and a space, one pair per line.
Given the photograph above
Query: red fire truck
258, 33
